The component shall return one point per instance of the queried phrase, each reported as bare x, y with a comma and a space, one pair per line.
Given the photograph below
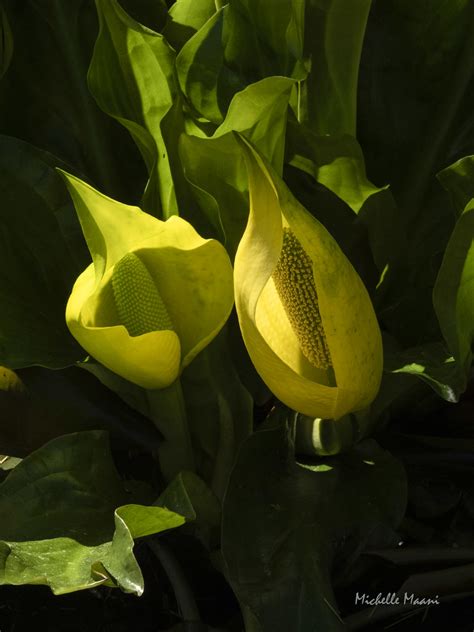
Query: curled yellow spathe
155, 294
306, 317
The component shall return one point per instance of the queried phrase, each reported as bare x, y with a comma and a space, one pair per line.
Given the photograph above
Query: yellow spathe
174, 288
317, 345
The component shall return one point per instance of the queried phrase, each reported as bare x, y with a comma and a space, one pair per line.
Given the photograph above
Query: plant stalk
182, 590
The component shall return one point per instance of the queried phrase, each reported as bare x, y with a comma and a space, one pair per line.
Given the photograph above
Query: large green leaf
240, 44
453, 295
216, 173
38, 405
425, 125
334, 161
53, 45
60, 523
415, 87
334, 33
132, 78
214, 166
40, 258
210, 408
259, 112
287, 524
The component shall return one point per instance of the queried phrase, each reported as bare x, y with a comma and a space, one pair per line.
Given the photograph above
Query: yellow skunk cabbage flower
306, 318
155, 294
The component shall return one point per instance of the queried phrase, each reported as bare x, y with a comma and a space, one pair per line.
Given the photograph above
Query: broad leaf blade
259, 112
53, 44
239, 45
416, 64
282, 536
335, 161
59, 523
334, 35
185, 18
37, 266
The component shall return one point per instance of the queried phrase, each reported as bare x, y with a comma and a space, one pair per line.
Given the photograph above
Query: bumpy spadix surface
305, 315
294, 282
139, 304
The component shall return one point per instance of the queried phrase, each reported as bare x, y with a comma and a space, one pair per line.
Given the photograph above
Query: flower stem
182, 591
168, 413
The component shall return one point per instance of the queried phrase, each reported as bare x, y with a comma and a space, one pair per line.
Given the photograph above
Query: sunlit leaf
60, 523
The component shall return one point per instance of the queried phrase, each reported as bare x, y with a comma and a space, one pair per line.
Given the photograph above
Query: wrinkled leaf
283, 536
60, 526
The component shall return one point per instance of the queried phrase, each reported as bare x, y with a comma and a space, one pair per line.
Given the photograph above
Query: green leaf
220, 412
458, 179
336, 162
216, 174
433, 364
333, 42
214, 167
189, 496
202, 75
453, 294
185, 18
60, 526
38, 405
53, 43
132, 78
37, 267
259, 112
239, 45
414, 92
287, 525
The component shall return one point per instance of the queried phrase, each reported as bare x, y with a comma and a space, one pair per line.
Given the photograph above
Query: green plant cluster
237, 299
